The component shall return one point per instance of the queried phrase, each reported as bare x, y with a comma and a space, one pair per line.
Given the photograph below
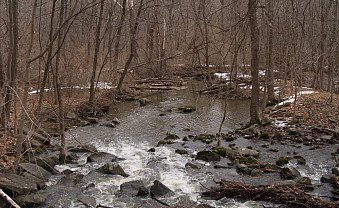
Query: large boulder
16, 183
101, 157
289, 173
32, 200
160, 190
45, 162
71, 179
207, 156
112, 168
133, 188
35, 170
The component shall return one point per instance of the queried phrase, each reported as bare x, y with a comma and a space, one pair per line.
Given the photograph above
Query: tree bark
270, 73
254, 107
133, 46
96, 53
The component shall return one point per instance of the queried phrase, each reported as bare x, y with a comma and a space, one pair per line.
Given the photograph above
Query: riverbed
141, 128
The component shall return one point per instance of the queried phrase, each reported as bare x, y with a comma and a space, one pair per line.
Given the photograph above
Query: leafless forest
47, 46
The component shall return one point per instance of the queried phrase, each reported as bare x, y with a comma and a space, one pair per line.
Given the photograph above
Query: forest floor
314, 112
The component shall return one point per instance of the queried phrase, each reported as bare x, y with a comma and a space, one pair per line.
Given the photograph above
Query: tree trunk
12, 59
118, 36
254, 107
133, 46
270, 73
21, 140
96, 52
62, 154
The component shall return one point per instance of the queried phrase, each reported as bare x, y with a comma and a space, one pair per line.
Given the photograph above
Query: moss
283, 161
228, 138
186, 129
264, 135
205, 138
300, 159
248, 160
163, 142
220, 151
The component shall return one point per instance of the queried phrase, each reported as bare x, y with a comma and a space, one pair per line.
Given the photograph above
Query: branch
9, 199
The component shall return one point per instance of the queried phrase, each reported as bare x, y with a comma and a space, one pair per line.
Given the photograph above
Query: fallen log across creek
294, 196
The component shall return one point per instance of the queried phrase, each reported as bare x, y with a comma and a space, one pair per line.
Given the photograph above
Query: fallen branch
9, 199
292, 196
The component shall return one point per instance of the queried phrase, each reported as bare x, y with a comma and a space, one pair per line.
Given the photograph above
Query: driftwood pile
293, 196
155, 84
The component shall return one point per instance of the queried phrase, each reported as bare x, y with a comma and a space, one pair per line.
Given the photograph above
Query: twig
9, 199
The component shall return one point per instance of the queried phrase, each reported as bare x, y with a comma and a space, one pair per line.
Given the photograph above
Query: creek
141, 128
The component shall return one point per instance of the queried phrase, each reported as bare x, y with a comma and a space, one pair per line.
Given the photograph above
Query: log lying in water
282, 194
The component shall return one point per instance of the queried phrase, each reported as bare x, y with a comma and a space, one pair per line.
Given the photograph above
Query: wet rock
248, 160
45, 162
335, 171
184, 109
181, 151
144, 101
116, 121
221, 167
88, 200
289, 173
289, 183
220, 151
301, 160
83, 148
40, 183
327, 179
67, 172
205, 138
162, 114
283, 161
242, 168
273, 150
35, 170
109, 124
151, 150
193, 166
16, 183
164, 142
305, 181
92, 120
248, 152
32, 200
207, 156
171, 135
232, 153
133, 188
185, 139
101, 157
256, 172
160, 190
112, 168
264, 135
204, 206
326, 138
71, 158
42, 139
83, 123
71, 179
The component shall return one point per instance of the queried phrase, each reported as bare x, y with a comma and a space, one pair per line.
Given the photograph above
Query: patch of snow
291, 99
222, 75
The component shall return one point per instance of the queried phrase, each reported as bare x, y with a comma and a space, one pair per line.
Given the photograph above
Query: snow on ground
291, 99
100, 85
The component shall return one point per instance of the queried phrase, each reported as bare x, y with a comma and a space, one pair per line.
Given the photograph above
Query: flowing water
141, 128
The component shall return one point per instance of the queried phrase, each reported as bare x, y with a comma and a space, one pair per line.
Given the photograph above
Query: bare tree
254, 108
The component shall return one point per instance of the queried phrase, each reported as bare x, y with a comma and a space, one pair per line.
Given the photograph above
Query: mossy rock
289, 173
164, 142
207, 156
228, 138
250, 160
264, 135
184, 109
283, 161
170, 135
301, 160
186, 129
220, 151
205, 138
